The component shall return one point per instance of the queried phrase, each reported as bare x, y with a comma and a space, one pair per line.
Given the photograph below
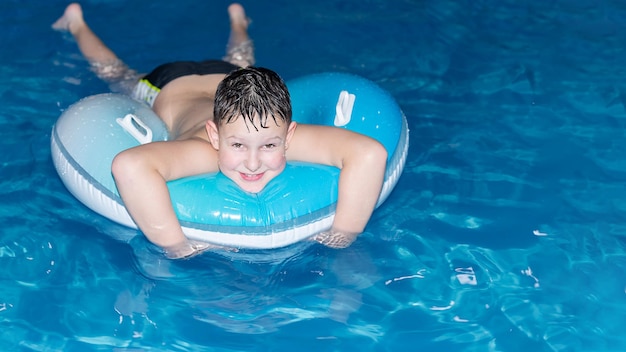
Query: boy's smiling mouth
251, 177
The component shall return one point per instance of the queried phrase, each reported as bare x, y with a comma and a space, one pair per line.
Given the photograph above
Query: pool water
506, 231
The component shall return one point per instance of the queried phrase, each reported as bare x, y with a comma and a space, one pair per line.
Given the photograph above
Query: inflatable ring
296, 204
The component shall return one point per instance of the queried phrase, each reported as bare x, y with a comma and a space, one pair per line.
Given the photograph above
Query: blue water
506, 231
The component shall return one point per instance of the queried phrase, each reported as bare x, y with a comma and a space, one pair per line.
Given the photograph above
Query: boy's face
249, 157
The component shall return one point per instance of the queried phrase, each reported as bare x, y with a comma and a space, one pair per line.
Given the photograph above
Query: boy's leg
104, 62
240, 50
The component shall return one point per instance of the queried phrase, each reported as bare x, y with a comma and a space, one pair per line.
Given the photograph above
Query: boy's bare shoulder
318, 144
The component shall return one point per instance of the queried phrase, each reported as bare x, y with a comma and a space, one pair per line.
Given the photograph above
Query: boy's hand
190, 249
335, 239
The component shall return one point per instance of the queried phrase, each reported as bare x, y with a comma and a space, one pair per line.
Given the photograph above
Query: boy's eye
237, 145
270, 146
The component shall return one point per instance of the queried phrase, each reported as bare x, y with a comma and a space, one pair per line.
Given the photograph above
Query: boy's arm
362, 161
141, 174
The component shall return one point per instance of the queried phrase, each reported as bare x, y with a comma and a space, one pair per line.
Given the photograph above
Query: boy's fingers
334, 239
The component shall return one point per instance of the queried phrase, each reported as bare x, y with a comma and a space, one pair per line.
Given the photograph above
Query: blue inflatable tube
298, 203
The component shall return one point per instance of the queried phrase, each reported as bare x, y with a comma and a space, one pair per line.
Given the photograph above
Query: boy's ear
214, 136
290, 130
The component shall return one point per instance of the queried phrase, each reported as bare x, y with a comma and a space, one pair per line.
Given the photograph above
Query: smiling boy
224, 116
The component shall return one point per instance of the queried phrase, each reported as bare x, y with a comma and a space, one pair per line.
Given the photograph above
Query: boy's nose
252, 162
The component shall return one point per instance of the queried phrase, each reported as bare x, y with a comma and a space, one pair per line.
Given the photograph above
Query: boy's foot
238, 20
71, 20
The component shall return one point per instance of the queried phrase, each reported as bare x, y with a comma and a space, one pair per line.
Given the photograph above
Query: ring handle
136, 128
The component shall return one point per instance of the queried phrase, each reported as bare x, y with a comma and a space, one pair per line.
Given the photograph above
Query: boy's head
252, 127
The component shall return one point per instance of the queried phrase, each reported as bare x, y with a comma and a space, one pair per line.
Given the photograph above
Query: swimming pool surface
506, 232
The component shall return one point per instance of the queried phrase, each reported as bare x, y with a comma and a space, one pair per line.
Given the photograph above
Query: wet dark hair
254, 93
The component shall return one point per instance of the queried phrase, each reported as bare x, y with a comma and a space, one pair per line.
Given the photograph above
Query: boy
228, 117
